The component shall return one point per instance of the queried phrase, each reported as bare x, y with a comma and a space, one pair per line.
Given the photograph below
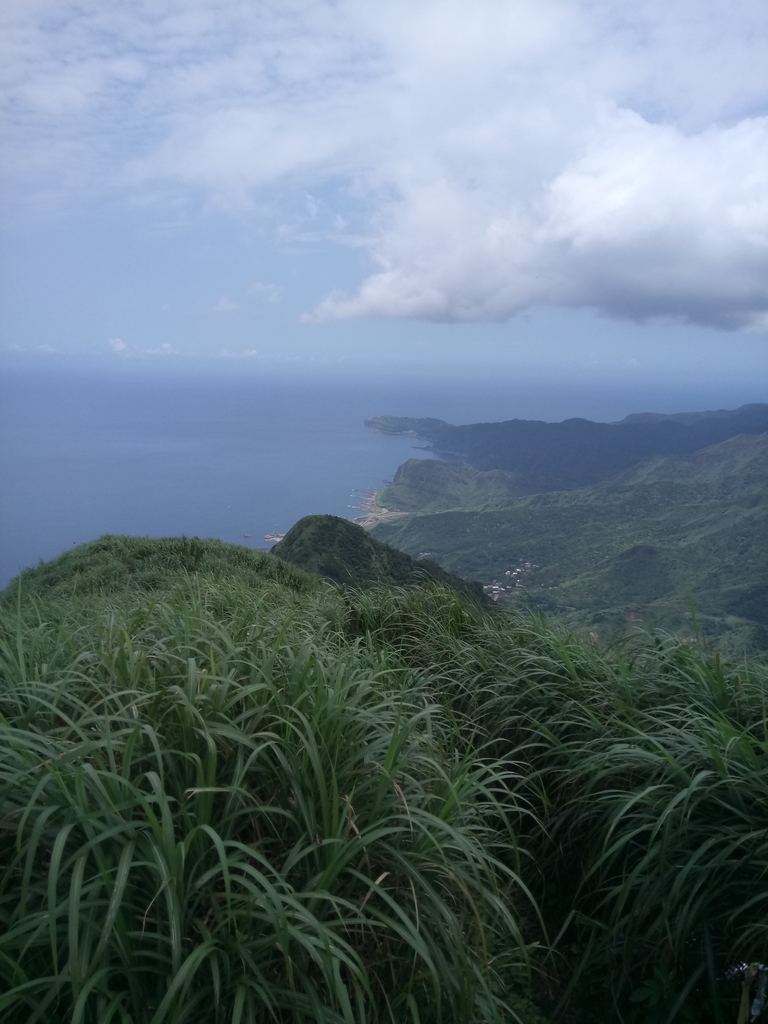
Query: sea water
170, 451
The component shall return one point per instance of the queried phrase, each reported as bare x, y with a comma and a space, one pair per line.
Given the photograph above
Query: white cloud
269, 292
248, 353
224, 305
649, 223
163, 350
758, 324
119, 347
488, 156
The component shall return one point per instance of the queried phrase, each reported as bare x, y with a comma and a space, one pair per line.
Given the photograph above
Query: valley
633, 549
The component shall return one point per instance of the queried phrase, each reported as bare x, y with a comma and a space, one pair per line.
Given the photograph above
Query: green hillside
345, 553
232, 792
411, 426
425, 485
113, 565
577, 452
628, 550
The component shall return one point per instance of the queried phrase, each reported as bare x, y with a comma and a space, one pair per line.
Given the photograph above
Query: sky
527, 188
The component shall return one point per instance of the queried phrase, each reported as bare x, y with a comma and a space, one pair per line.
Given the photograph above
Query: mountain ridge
628, 549
576, 452
345, 553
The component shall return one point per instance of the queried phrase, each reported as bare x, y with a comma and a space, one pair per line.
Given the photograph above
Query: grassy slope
629, 548
231, 803
229, 791
113, 564
345, 553
425, 485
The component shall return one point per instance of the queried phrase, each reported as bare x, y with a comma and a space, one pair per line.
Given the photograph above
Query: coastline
374, 512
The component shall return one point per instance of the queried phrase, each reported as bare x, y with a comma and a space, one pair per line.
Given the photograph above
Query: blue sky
514, 187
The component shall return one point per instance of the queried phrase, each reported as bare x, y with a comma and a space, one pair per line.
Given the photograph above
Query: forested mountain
345, 553
577, 452
426, 485
628, 550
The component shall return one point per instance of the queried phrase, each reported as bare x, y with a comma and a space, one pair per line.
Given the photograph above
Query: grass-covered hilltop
232, 791
602, 525
344, 553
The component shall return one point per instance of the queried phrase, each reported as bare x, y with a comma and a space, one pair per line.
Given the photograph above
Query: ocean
160, 452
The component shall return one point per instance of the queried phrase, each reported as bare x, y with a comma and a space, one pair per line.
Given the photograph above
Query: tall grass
244, 820
240, 796
647, 769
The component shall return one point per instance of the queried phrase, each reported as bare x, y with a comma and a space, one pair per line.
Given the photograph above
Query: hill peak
344, 552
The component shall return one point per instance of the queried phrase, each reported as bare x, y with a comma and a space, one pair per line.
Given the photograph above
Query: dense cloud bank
487, 156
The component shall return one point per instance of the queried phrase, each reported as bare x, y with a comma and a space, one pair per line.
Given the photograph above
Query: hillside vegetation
426, 485
628, 550
344, 553
577, 452
231, 791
